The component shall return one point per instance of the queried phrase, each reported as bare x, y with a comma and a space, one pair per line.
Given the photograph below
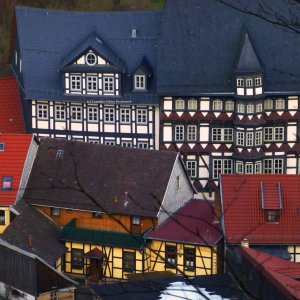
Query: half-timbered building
88, 76
106, 198
229, 90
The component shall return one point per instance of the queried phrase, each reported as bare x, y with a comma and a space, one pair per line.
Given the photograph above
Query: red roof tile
243, 213
193, 223
12, 161
282, 273
11, 120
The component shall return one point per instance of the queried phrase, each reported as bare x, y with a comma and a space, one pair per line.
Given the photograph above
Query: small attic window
91, 59
272, 216
60, 153
139, 82
133, 32
2, 146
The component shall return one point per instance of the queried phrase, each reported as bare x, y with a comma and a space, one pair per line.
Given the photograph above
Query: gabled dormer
248, 70
92, 68
142, 75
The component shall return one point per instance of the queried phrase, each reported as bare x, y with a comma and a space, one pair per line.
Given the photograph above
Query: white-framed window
278, 134
268, 134
221, 166
179, 104
249, 139
241, 108
93, 141
273, 166
76, 113
125, 115
60, 112
108, 84
92, 83
109, 143
75, 83
229, 105
222, 134
179, 132
93, 114
240, 138
258, 138
191, 166
42, 111
192, 104
258, 168
109, 114
240, 82
141, 116
249, 82
91, 59
239, 167
126, 144
191, 132
280, 104
139, 82
136, 220
268, 104
250, 109
249, 169
273, 134
258, 107
143, 145
217, 105
258, 81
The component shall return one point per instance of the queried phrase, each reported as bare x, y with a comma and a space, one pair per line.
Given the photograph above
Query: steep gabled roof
283, 274
44, 234
96, 44
191, 224
49, 38
199, 46
11, 120
243, 215
248, 60
12, 161
96, 177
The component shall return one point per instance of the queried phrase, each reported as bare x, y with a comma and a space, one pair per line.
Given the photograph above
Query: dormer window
75, 83
139, 82
2, 146
272, 216
91, 59
7, 183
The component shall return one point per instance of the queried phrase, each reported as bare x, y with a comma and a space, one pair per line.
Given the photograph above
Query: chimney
30, 241
245, 243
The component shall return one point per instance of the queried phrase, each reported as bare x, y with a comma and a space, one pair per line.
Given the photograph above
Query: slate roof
11, 120
243, 214
191, 224
199, 47
48, 39
102, 237
12, 161
96, 177
45, 234
282, 273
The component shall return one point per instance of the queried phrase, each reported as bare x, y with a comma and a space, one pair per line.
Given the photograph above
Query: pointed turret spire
248, 60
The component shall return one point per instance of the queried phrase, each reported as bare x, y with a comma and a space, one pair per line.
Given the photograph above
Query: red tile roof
193, 223
11, 120
12, 161
282, 273
243, 214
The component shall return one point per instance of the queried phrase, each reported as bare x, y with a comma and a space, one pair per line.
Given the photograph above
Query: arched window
192, 104
217, 105
268, 104
179, 104
229, 105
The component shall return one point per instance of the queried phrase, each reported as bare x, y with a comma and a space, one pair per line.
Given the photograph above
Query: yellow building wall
205, 258
113, 268
61, 295
7, 219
